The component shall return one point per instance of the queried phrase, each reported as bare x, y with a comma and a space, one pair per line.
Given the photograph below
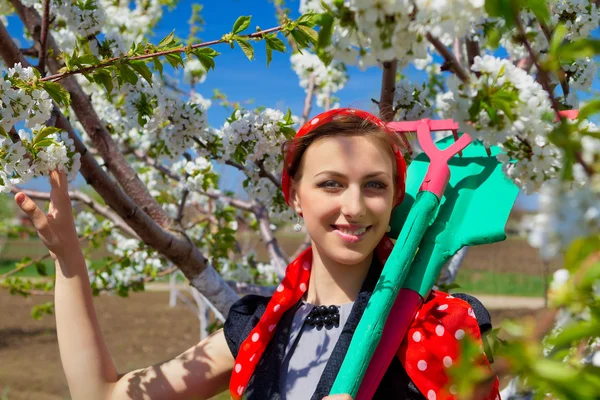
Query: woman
343, 175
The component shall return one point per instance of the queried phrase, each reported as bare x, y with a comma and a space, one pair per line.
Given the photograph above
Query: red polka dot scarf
432, 343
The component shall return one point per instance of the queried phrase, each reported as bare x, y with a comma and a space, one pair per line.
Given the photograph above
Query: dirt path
140, 331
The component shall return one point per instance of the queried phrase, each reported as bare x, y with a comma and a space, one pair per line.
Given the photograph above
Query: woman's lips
348, 237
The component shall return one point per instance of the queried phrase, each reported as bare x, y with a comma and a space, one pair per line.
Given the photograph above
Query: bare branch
453, 63
282, 17
472, 52
242, 205
184, 195
388, 87
30, 52
308, 100
44, 37
276, 253
457, 48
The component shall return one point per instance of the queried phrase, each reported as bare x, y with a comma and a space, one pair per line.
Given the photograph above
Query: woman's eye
329, 184
376, 185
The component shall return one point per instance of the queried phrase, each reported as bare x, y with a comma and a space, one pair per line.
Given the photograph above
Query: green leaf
44, 133
174, 59
558, 37
540, 9
326, 30
41, 268
104, 77
167, 40
58, 93
158, 65
241, 23
592, 107
44, 143
309, 19
87, 59
269, 54
578, 49
502, 9
127, 74
143, 70
246, 48
206, 57
310, 33
275, 43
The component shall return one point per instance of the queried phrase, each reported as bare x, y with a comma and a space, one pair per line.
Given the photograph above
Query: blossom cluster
327, 79
411, 101
505, 106
198, 174
73, 18
252, 138
384, 30
580, 17
166, 124
22, 161
17, 104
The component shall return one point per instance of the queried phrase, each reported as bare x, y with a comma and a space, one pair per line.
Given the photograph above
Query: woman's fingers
338, 397
59, 195
37, 217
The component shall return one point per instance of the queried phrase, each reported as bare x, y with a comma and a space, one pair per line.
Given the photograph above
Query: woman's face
346, 195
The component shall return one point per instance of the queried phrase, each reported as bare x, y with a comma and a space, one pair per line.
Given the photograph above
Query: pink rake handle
409, 301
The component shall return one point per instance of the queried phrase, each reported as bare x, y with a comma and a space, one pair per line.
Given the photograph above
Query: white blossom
327, 80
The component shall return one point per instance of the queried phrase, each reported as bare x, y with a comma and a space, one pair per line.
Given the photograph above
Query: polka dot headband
328, 116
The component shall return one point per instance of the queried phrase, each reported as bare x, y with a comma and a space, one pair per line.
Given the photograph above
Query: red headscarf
433, 340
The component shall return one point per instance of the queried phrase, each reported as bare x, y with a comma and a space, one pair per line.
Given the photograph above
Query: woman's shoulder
243, 315
441, 301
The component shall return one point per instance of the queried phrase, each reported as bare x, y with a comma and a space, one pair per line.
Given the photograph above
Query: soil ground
140, 331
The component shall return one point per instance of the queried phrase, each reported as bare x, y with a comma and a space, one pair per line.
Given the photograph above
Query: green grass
506, 283
470, 281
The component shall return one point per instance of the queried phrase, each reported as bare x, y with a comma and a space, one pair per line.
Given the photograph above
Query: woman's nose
353, 204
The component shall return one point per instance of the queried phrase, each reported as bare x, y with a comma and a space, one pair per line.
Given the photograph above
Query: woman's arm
200, 372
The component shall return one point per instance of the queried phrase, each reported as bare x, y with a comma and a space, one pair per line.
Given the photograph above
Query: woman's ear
295, 198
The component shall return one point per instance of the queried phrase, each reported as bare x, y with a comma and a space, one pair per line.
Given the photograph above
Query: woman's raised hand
338, 397
57, 228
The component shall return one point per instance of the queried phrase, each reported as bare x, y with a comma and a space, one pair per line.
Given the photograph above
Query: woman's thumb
37, 217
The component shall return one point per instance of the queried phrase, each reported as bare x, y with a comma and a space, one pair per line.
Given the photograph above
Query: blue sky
276, 86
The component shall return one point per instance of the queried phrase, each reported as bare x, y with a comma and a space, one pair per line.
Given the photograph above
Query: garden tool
431, 224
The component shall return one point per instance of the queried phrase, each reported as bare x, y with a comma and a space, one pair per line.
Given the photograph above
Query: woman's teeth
351, 232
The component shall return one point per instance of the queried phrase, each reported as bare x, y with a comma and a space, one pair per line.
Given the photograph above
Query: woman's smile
351, 233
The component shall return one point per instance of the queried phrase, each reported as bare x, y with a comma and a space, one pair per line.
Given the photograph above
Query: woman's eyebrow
339, 174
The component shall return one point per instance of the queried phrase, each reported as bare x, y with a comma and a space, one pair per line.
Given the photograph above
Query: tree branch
308, 100
44, 36
276, 253
449, 57
388, 87
457, 48
240, 204
182, 49
472, 52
